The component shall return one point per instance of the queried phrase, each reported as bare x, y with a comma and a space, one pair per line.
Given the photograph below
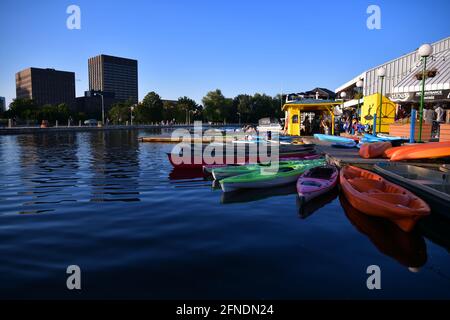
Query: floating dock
341, 157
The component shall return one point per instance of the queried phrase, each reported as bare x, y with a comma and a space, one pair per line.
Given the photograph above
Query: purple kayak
316, 181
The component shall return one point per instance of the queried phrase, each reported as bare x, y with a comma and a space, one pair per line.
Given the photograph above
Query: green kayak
231, 171
268, 177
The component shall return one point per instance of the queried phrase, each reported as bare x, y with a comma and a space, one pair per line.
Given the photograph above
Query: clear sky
188, 47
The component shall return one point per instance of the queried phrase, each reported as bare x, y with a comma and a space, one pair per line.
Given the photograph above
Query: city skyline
238, 48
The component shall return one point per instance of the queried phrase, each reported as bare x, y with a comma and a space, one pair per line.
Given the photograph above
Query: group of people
318, 124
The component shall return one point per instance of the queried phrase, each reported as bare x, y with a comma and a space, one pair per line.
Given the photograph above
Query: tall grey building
114, 75
46, 86
2, 104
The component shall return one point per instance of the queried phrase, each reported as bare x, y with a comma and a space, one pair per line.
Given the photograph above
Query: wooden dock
204, 139
342, 157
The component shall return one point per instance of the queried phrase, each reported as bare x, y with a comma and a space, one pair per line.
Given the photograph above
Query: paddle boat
375, 196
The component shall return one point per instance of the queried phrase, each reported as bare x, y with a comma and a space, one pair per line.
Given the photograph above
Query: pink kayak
316, 181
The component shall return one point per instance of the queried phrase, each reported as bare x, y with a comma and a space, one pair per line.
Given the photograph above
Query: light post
239, 114
359, 85
425, 51
381, 72
343, 95
131, 115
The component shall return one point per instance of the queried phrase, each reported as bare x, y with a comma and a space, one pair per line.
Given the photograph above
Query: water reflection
243, 196
311, 207
408, 248
115, 166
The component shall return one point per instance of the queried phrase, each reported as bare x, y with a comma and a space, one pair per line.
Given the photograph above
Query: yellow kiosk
294, 109
371, 106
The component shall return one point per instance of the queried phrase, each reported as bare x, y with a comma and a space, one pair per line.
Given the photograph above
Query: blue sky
188, 47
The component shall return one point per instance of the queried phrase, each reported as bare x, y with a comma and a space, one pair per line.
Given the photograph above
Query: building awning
312, 104
437, 88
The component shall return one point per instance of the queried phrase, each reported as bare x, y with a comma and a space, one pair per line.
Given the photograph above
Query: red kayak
192, 164
375, 196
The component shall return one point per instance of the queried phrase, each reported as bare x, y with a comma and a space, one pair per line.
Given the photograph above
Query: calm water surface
138, 229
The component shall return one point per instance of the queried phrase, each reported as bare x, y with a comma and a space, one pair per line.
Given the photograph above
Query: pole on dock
412, 126
374, 131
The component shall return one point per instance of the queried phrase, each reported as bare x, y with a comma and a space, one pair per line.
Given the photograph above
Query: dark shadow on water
243, 196
407, 248
436, 228
305, 210
185, 174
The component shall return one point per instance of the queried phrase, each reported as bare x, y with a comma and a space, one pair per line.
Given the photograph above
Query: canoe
330, 138
265, 178
375, 196
316, 181
344, 145
407, 248
423, 151
373, 150
432, 185
231, 171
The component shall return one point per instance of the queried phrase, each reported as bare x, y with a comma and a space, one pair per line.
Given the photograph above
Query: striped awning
440, 63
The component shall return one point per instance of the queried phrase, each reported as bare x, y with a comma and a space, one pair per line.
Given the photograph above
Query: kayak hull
373, 150
316, 182
375, 196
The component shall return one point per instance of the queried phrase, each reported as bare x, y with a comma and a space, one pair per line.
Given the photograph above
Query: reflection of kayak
309, 208
374, 150
422, 151
376, 196
408, 248
182, 174
266, 177
243, 196
316, 181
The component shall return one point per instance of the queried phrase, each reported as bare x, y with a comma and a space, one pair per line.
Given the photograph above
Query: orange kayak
422, 151
373, 150
375, 196
389, 152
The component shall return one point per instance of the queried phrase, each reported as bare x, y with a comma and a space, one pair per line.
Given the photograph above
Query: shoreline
38, 130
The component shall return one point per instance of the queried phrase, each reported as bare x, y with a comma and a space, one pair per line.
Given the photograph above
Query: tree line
215, 108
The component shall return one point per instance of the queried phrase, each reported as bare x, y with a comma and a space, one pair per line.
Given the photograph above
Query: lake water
138, 229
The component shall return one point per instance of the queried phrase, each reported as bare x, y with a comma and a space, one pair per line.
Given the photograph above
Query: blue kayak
330, 138
344, 145
372, 138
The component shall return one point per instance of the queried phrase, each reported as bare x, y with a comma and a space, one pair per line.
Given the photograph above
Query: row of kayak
365, 190
432, 150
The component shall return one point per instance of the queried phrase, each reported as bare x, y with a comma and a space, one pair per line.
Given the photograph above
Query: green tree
188, 109
217, 107
150, 109
243, 105
22, 108
120, 112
